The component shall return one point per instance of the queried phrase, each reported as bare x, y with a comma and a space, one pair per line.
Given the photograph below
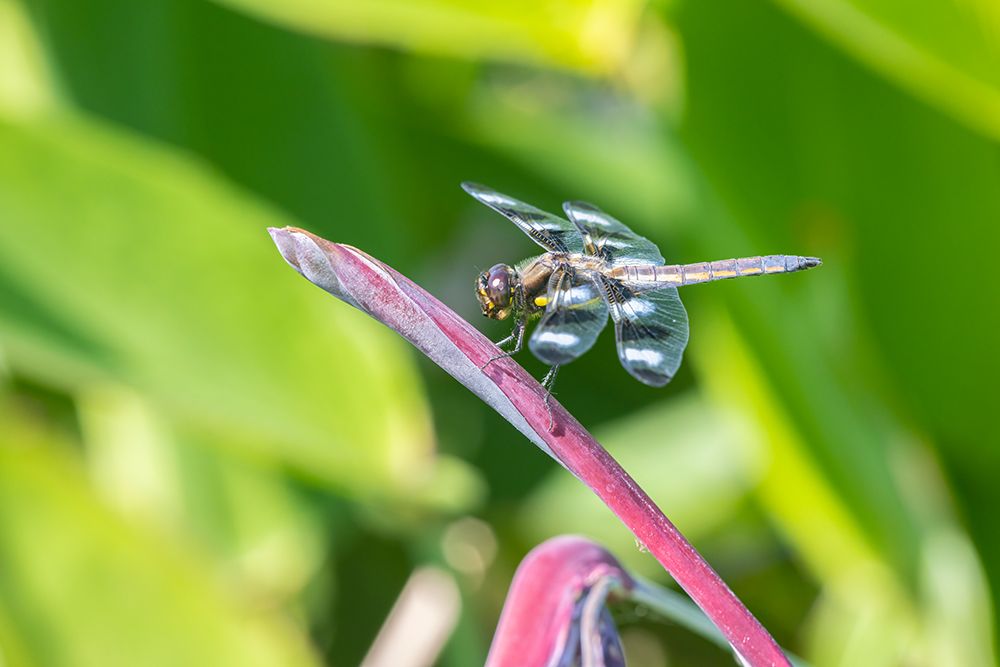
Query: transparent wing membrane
605, 237
651, 330
547, 230
622, 274
574, 317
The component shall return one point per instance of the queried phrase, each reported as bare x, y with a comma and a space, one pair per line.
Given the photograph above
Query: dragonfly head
494, 291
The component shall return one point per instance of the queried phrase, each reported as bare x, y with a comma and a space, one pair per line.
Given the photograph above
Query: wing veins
656, 350
547, 230
572, 320
599, 230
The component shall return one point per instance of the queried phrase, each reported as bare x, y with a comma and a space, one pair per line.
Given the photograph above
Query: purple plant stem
462, 351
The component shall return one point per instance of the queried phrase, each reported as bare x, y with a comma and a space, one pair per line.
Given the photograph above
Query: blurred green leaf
80, 586
550, 126
693, 460
864, 388
171, 278
24, 79
259, 529
881, 350
946, 52
829, 475
587, 35
695, 221
330, 133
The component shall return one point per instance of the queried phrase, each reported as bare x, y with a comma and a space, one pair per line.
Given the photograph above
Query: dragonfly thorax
495, 291
595, 267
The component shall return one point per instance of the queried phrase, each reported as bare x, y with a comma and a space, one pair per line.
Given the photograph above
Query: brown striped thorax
595, 267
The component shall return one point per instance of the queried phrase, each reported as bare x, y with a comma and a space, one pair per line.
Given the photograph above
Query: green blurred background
204, 460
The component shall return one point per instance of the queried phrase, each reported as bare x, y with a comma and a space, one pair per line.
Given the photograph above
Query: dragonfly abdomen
703, 272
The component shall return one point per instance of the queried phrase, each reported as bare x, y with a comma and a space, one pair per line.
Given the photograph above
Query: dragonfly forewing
575, 314
609, 239
596, 266
547, 230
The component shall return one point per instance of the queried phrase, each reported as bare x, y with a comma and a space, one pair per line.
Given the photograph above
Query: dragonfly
595, 267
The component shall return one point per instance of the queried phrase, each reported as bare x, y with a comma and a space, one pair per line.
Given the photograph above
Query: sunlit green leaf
124, 261
551, 127
248, 517
831, 159
945, 51
862, 131
589, 35
80, 586
24, 79
694, 216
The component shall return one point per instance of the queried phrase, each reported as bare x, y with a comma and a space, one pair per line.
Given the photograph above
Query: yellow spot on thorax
541, 301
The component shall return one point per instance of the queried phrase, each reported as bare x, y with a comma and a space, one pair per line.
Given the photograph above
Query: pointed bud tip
281, 232
288, 245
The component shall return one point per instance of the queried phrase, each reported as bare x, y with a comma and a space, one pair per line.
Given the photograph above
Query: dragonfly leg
516, 336
547, 382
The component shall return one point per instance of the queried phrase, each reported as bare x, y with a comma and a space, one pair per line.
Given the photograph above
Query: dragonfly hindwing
574, 316
607, 238
651, 329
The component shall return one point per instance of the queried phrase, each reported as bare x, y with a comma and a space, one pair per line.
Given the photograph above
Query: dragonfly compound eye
493, 289
595, 266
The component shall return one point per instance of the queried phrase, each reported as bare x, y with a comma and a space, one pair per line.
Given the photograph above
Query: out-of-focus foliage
947, 52
203, 460
156, 283
81, 586
589, 35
